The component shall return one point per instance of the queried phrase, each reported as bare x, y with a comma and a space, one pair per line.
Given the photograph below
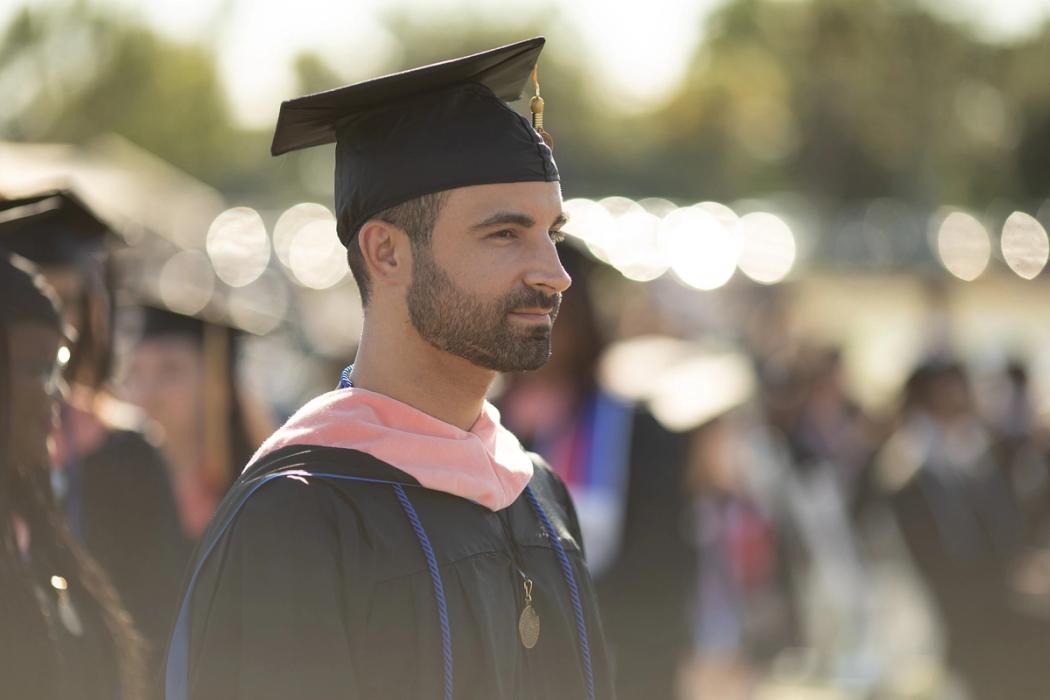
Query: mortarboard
51, 228
421, 131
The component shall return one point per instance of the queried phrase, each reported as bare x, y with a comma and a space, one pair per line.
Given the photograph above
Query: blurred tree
839, 101
1026, 82
79, 72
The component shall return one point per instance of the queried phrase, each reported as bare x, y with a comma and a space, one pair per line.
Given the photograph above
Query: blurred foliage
838, 101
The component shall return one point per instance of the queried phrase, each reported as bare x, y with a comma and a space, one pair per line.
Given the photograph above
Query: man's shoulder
544, 477
299, 488
321, 461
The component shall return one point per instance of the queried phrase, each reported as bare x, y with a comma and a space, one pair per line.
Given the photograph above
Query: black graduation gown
124, 511
319, 588
644, 594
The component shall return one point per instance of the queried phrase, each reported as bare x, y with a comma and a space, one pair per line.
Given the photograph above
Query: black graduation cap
425, 130
163, 322
51, 228
25, 295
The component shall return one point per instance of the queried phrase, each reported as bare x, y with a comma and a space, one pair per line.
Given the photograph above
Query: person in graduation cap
182, 373
392, 539
109, 480
63, 632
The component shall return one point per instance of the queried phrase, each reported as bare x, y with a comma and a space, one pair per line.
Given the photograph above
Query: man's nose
547, 273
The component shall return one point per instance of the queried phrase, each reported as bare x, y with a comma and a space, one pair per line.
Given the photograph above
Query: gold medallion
529, 622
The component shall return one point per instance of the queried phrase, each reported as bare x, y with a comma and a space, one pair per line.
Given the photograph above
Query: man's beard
477, 330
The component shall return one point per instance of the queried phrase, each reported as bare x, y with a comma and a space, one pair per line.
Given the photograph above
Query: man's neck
412, 371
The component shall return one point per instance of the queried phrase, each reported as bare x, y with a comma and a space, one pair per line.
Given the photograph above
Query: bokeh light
261, 306
626, 367
768, 247
693, 391
591, 223
1025, 245
186, 282
725, 216
635, 249
963, 245
291, 221
657, 205
238, 246
702, 252
316, 257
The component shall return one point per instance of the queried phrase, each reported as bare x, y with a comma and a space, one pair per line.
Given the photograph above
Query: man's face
488, 286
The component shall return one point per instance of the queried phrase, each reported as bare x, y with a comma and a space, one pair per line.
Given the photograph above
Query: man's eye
505, 234
557, 236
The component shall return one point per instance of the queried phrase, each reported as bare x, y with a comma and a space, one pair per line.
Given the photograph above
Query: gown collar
485, 464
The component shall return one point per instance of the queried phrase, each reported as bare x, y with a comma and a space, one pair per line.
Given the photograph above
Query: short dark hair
416, 217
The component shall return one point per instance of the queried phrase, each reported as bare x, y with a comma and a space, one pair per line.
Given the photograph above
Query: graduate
392, 539
63, 631
182, 371
108, 479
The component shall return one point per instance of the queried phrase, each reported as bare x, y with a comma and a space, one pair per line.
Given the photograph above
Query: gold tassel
536, 106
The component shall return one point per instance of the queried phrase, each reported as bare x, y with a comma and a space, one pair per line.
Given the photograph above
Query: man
393, 540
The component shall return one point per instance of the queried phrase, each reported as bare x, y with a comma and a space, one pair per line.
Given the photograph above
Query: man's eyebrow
507, 217
518, 219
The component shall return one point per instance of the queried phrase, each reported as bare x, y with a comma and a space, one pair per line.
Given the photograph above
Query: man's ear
386, 251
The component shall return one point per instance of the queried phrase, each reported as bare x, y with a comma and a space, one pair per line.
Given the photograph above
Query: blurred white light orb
316, 257
963, 246
1025, 245
701, 388
635, 248
703, 254
63, 355
725, 216
186, 282
657, 205
618, 206
768, 247
238, 246
261, 306
591, 223
289, 223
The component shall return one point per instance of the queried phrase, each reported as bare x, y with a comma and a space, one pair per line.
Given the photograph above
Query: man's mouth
536, 315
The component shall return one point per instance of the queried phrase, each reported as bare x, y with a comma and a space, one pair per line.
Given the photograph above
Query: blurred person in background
824, 442
744, 610
182, 372
1021, 449
109, 480
963, 527
829, 426
63, 632
625, 474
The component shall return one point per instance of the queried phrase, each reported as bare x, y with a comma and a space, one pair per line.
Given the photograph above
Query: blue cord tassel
574, 591
439, 588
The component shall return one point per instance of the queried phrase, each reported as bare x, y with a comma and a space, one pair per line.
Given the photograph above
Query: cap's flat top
51, 227
313, 120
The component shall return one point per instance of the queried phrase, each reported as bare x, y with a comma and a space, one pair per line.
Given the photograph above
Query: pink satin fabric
485, 464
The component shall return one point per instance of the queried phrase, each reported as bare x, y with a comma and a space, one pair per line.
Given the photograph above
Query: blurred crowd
751, 528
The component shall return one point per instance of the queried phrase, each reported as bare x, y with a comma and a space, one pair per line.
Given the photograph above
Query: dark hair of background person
32, 661
416, 217
91, 356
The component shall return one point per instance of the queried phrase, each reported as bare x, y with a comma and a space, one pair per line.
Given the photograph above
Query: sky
638, 53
